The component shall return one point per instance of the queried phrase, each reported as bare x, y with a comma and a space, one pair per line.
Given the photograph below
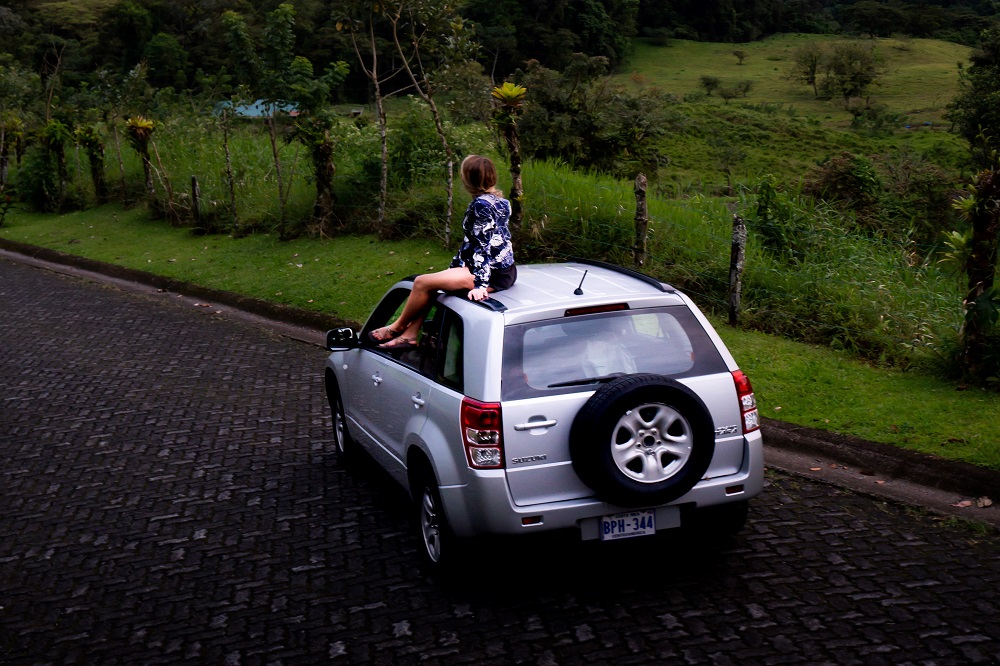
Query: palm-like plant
11, 134
138, 133
981, 207
90, 138
54, 137
508, 99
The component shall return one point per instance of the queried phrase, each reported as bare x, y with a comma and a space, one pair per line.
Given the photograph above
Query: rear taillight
482, 433
748, 403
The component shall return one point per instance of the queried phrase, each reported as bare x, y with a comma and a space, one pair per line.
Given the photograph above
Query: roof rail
488, 302
648, 279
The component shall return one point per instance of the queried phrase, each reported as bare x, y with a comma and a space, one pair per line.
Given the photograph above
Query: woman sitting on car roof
484, 263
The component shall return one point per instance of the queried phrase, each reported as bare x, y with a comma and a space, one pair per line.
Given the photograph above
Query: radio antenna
579, 290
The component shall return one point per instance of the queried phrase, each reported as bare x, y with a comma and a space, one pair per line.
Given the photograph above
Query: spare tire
642, 440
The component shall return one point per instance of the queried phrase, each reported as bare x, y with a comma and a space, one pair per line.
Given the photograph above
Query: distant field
922, 74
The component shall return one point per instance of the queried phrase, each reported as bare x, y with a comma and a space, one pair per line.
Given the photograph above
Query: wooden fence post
641, 222
736, 260
195, 200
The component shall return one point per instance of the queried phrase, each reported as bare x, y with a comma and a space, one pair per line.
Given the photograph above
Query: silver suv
586, 396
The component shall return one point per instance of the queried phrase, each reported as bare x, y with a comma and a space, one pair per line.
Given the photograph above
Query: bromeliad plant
139, 133
508, 99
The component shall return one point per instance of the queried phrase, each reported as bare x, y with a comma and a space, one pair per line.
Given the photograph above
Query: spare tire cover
642, 440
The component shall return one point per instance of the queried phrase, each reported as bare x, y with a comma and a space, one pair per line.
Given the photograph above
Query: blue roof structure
258, 109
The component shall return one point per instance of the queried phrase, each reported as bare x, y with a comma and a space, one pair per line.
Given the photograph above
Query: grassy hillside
922, 74
780, 128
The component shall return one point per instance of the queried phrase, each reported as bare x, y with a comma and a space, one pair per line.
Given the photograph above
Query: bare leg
424, 286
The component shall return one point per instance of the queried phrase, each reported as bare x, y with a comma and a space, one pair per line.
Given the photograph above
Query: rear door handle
531, 425
418, 402
377, 379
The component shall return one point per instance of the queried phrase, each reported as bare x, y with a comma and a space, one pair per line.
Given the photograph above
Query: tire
438, 544
341, 437
642, 440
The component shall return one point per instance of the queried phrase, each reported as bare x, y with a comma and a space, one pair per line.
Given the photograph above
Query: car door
391, 391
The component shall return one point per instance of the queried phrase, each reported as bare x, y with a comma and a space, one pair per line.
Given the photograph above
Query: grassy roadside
794, 382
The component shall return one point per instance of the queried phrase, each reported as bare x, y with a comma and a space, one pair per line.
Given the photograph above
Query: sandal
399, 343
383, 334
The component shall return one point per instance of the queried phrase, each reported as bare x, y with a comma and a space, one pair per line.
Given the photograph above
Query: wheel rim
430, 527
651, 442
338, 426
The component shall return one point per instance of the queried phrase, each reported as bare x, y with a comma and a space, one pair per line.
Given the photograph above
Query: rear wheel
439, 546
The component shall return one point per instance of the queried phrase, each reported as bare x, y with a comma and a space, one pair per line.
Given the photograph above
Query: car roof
579, 284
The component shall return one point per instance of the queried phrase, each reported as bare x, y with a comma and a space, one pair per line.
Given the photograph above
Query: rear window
573, 353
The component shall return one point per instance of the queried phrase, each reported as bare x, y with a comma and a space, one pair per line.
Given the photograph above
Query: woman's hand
478, 294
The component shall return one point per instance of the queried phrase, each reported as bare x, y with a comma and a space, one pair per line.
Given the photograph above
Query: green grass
794, 382
780, 128
344, 276
921, 77
824, 389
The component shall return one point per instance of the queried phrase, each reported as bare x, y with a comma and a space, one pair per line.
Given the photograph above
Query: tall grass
812, 279
873, 297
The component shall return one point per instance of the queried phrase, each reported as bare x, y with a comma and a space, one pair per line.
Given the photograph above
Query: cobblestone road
169, 495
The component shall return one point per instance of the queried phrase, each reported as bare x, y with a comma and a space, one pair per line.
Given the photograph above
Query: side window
452, 367
423, 357
390, 307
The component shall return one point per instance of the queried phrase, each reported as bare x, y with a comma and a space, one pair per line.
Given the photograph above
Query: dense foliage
185, 44
155, 85
976, 109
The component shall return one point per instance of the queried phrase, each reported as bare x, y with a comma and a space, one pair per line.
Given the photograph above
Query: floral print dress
486, 245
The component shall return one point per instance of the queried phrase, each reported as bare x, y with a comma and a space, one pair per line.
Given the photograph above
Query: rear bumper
484, 505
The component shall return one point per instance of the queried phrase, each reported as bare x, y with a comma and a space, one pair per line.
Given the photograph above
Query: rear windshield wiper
587, 380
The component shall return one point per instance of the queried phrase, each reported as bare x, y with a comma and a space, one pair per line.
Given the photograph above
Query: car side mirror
339, 339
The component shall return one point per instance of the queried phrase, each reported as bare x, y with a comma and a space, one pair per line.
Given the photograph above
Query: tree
53, 138
119, 98
875, 18
582, 118
360, 24
277, 76
139, 133
508, 99
981, 208
430, 37
560, 121
975, 110
513, 32
709, 83
17, 87
806, 61
125, 30
740, 56
852, 68
167, 60
90, 138
265, 70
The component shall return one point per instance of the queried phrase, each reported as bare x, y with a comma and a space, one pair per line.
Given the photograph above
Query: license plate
627, 525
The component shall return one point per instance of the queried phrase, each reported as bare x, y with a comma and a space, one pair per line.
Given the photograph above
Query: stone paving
169, 495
